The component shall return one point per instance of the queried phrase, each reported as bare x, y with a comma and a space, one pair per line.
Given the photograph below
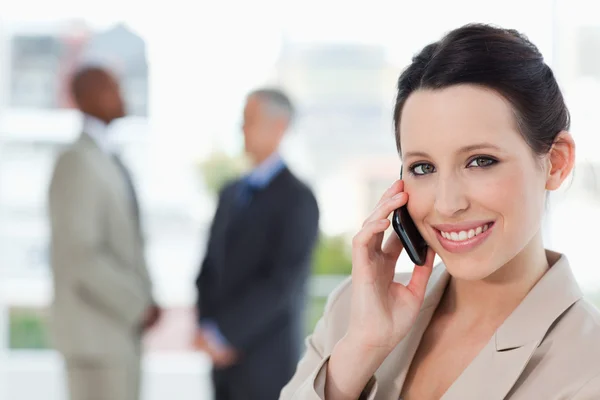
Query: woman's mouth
458, 239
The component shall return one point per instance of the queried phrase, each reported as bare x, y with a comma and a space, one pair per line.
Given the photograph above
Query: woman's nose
450, 197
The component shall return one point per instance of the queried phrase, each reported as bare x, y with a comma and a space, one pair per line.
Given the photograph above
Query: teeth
464, 235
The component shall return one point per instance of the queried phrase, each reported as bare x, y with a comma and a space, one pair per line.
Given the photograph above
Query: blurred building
37, 119
41, 59
577, 65
344, 94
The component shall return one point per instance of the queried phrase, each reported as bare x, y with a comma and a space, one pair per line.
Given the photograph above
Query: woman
482, 131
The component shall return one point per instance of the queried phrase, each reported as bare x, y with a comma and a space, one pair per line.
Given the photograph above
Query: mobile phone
409, 235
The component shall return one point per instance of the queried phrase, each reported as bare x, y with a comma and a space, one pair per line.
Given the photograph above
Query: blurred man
251, 287
102, 291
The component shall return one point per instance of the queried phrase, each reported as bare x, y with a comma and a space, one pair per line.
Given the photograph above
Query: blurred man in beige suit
102, 291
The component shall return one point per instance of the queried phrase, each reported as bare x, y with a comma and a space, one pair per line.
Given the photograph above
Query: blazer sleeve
144, 274
146, 280
262, 302
76, 219
308, 382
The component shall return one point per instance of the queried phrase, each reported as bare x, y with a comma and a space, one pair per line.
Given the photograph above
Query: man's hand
151, 317
221, 356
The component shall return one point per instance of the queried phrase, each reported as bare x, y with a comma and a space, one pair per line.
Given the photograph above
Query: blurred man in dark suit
252, 282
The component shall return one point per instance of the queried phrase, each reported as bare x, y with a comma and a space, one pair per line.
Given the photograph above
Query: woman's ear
561, 160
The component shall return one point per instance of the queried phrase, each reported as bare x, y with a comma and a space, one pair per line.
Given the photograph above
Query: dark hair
500, 59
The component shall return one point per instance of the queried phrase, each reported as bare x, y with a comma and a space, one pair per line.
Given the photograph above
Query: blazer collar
555, 292
498, 366
87, 141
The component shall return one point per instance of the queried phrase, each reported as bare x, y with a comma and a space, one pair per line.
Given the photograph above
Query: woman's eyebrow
465, 149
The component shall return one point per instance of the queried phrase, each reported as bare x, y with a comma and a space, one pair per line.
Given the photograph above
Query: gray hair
276, 102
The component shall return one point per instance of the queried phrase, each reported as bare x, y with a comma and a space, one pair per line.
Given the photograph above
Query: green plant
314, 310
220, 168
332, 256
28, 329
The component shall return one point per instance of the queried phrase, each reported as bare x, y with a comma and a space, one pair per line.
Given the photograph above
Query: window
34, 71
588, 44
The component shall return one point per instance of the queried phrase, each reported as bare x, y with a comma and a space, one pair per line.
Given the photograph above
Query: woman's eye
481, 162
423, 169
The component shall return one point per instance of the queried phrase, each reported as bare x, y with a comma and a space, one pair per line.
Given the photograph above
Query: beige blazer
101, 284
548, 348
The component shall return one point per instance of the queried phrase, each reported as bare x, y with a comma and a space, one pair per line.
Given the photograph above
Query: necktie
245, 192
130, 187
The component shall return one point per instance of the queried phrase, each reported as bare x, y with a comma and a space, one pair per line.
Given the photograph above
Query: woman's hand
382, 311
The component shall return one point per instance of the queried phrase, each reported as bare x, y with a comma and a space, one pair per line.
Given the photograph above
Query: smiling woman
482, 132
483, 172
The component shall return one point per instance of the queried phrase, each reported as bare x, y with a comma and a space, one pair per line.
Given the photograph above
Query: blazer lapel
392, 373
108, 169
497, 368
244, 218
241, 218
492, 373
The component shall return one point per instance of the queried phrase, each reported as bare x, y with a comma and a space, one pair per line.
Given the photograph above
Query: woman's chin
467, 268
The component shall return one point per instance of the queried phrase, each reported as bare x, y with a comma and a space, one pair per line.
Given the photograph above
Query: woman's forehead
456, 117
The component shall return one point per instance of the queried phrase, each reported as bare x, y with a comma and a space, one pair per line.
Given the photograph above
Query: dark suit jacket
253, 280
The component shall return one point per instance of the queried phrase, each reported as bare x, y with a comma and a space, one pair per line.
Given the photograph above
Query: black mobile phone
409, 235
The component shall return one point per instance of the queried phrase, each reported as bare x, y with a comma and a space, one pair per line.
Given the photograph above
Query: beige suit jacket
101, 284
548, 348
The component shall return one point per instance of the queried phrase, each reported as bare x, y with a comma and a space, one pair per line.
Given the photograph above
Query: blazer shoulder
70, 159
303, 191
589, 309
582, 321
296, 191
288, 176
569, 354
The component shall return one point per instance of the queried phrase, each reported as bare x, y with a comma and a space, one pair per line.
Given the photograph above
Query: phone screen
409, 235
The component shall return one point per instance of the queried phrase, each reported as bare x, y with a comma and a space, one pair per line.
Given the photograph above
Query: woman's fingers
420, 276
384, 209
395, 188
364, 237
393, 246
368, 241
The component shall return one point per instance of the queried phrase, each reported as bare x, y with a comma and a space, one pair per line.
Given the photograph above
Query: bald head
97, 93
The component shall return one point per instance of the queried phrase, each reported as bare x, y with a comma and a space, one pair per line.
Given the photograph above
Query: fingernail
397, 196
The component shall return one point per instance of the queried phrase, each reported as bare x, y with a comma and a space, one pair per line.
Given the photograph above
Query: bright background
188, 67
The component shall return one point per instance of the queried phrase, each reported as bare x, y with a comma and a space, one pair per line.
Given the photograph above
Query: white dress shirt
100, 132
